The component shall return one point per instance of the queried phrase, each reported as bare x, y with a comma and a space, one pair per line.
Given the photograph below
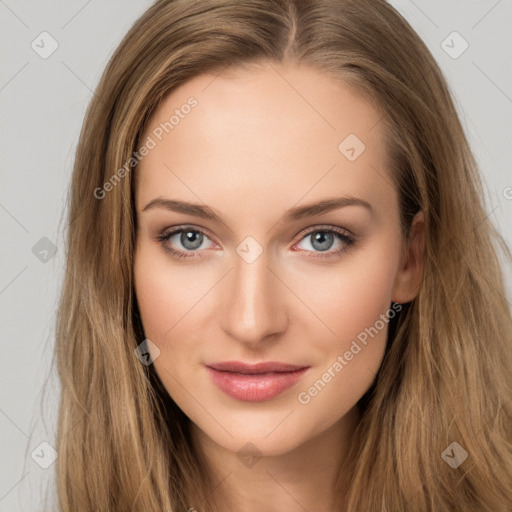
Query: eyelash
347, 240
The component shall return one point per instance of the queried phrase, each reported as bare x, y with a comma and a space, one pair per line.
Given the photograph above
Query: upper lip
251, 369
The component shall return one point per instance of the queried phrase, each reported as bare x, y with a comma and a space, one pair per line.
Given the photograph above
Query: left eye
192, 239
322, 240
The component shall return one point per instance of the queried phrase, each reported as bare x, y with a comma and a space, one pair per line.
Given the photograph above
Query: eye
190, 238
322, 238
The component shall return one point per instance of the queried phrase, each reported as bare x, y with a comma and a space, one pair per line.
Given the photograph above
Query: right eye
190, 239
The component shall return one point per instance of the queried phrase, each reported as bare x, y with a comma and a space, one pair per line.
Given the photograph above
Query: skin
260, 141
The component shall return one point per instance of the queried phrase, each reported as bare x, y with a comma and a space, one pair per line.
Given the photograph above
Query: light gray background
43, 102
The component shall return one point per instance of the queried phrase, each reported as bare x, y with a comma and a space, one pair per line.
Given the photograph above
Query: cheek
348, 361
164, 294
353, 303
347, 298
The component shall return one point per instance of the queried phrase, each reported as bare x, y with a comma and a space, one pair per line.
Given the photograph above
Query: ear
408, 278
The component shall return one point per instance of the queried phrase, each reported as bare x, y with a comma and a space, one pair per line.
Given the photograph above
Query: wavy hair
123, 443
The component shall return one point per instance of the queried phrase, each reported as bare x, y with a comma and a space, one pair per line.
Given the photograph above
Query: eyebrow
296, 213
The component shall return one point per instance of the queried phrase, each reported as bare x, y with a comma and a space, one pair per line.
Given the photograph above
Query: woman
282, 289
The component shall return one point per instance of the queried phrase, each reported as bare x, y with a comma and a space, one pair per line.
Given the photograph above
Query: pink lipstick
254, 382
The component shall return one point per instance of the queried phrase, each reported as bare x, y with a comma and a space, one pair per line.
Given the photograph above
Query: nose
255, 309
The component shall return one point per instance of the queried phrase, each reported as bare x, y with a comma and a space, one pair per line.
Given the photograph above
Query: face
252, 273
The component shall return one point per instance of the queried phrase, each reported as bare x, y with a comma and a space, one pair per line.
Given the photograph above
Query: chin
257, 441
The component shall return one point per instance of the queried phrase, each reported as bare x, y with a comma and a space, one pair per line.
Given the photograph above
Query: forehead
268, 134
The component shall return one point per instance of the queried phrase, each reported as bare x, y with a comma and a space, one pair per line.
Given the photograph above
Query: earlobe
408, 278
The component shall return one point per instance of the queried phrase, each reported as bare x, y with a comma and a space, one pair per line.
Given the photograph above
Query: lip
254, 382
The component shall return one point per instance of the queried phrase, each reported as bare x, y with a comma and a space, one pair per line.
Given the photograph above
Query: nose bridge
254, 310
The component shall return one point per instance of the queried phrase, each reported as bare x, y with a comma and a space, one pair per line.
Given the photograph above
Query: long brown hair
123, 443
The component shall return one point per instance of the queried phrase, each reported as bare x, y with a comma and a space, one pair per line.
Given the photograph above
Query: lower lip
255, 388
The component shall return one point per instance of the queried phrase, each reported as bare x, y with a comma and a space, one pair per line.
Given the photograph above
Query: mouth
255, 382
